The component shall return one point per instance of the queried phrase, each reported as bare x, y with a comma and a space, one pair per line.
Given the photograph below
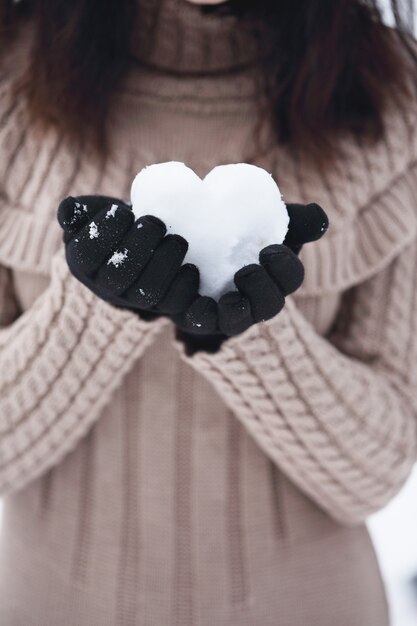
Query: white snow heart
226, 217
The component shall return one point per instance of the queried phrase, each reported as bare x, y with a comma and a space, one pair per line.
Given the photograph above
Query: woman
154, 479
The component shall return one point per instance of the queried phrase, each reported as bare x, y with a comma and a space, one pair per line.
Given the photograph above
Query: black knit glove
261, 288
130, 264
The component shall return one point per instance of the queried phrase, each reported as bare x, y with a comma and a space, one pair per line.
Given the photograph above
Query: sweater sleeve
337, 414
59, 364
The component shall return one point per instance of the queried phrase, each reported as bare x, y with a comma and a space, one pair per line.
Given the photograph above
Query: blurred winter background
394, 533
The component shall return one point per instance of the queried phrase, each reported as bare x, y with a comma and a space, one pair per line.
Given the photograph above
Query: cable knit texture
143, 486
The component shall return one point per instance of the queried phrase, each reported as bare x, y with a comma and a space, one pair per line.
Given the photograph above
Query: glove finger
284, 267
75, 212
200, 318
97, 239
182, 291
308, 222
134, 251
266, 299
235, 315
154, 281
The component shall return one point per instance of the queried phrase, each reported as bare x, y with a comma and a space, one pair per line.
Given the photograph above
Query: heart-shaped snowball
227, 217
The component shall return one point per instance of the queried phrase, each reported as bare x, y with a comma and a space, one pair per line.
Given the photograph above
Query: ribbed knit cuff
60, 364
334, 425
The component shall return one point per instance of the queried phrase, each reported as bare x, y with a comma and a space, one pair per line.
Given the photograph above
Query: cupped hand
261, 288
129, 263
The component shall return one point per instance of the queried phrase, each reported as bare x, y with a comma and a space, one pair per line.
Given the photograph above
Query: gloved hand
261, 288
130, 264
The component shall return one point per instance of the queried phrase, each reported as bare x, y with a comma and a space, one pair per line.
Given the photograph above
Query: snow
76, 213
118, 258
112, 211
227, 217
93, 230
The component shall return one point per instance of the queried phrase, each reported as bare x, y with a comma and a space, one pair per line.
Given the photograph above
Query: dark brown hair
331, 67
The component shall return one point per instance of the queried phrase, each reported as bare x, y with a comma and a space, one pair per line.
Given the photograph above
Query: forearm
341, 430
60, 363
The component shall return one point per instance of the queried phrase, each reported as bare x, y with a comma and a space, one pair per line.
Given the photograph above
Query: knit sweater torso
143, 486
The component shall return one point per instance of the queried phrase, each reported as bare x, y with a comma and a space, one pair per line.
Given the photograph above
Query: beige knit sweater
146, 487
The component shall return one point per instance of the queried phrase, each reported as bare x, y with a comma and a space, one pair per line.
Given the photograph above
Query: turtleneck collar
178, 37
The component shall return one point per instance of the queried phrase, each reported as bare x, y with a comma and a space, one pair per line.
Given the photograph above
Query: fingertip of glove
247, 270
322, 219
178, 240
284, 267
191, 269
151, 219
230, 298
273, 250
203, 305
201, 316
65, 211
234, 313
68, 199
